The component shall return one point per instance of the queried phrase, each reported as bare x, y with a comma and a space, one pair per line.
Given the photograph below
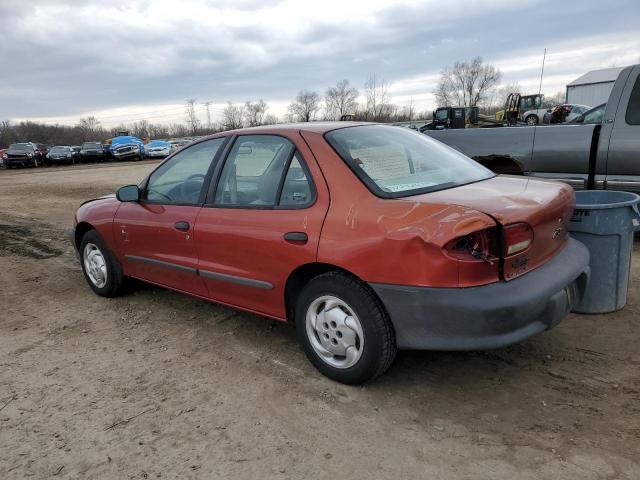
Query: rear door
623, 122
156, 235
262, 221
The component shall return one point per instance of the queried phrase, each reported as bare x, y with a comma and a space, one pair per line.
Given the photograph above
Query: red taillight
517, 238
476, 246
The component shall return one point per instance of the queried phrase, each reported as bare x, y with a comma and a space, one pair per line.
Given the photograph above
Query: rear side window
633, 109
297, 190
396, 162
252, 173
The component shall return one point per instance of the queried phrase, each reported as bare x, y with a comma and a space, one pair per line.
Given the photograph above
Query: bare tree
377, 96
269, 119
89, 123
340, 100
232, 116
467, 83
553, 100
305, 106
192, 119
254, 113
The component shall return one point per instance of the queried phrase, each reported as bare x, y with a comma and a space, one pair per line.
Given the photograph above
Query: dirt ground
159, 385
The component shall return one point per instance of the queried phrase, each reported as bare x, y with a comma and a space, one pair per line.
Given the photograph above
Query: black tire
115, 280
531, 120
379, 343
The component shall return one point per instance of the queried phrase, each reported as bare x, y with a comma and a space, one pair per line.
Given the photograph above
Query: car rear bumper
488, 316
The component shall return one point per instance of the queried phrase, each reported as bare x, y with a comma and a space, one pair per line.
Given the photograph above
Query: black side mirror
128, 193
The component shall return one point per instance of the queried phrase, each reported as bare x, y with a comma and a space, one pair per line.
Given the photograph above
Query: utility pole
206, 105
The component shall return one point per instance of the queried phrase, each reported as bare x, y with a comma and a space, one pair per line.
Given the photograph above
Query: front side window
396, 162
180, 179
253, 170
595, 115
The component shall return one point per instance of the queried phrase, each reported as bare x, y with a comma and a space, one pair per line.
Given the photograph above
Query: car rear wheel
344, 330
531, 120
101, 270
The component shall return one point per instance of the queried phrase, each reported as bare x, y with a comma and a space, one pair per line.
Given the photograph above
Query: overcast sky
127, 60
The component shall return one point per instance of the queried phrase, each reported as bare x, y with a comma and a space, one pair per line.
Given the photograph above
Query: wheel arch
81, 229
303, 274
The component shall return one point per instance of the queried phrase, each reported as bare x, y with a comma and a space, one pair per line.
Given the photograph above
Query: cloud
67, 59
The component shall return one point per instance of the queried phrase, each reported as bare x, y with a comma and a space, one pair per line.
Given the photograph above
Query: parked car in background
177, 143
593, 116
42, 151
76, 152
106, 150
127, 147
157, 149
91, 152
367, 238
22, 154
535, 117
565, 112
60, 154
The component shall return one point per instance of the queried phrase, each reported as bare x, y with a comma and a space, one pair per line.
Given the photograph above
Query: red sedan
367, 237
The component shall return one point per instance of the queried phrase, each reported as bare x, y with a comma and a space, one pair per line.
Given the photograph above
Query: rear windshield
397, 162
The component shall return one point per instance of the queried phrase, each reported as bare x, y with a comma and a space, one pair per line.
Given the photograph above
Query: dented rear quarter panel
395, 241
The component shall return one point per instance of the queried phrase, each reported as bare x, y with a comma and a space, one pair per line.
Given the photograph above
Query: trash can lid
603, 199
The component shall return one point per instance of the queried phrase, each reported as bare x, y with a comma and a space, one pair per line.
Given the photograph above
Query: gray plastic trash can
604, 221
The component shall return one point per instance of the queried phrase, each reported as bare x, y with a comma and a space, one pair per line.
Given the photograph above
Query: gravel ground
159, 385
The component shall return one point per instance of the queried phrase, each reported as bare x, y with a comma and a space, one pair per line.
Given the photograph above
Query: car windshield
59, 150
21, 147
397, 162
158, 143
91, 145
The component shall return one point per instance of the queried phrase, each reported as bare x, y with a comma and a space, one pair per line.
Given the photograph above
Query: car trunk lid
545, 205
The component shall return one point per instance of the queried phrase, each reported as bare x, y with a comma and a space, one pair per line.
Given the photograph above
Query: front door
155, 235
263, 222
623, 153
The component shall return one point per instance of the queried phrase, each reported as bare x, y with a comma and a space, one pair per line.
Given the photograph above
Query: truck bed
550, 151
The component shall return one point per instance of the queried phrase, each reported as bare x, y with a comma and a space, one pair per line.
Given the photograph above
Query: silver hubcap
95, 265
334, 331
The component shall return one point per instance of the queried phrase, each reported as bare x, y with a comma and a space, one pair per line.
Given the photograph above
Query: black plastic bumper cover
488, 316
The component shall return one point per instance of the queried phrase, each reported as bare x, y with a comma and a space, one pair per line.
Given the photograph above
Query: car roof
315, 127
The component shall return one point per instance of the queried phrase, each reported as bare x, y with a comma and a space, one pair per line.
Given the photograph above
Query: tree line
465, 83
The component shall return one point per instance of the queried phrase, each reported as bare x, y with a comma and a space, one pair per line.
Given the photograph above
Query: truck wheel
344, 330
101, 269
531, 120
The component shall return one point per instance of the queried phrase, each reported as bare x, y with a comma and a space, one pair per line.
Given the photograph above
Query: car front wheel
344, 330
531, 120
101, 270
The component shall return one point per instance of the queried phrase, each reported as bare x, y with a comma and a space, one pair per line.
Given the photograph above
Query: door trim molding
160, 263
223, 277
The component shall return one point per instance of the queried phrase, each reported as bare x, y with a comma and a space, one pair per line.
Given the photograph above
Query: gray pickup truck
605, 156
